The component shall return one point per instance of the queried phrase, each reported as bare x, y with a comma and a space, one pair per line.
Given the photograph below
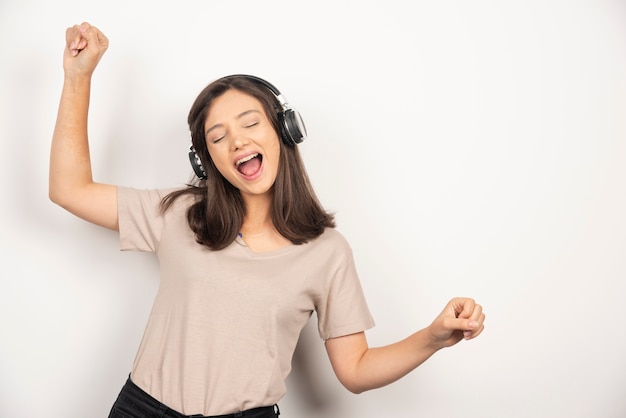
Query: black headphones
292, 132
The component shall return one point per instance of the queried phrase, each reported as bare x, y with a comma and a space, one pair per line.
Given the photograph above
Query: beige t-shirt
224, 324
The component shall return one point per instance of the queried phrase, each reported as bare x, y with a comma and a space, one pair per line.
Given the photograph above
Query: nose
239, 139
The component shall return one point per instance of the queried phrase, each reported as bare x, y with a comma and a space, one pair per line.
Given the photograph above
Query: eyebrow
239, 116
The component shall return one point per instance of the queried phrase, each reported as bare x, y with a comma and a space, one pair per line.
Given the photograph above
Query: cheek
274, 158
219, 160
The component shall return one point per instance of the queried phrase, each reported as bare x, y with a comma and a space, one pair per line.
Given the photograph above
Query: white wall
468, 148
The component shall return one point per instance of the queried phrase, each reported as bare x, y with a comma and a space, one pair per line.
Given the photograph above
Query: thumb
86, 37
461, 324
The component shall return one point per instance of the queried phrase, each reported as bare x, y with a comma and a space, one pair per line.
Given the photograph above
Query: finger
463, 307
74, 40
85, 32
103, 41
477, 326
463, 324
470, 335
82, 44
477, 312
94, 37
77, 38
460, 324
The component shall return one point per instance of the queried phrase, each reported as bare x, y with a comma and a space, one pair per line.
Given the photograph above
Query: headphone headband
274, 90
259, 80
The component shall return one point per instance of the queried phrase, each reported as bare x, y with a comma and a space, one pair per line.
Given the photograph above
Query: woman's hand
85, 45
462, 318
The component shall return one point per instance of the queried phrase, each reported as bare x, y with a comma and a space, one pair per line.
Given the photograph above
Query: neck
258, 218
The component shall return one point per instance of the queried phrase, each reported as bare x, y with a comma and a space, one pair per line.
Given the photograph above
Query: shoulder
333, 235
332, 240
152, 199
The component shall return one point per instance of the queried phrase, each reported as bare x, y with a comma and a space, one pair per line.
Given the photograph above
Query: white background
471, 148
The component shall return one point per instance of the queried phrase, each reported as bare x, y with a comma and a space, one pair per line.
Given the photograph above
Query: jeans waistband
140, 396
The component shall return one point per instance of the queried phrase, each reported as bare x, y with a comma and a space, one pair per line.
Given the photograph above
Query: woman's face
242, 142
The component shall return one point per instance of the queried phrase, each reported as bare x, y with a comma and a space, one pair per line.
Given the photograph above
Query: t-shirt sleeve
140, 220
344, 309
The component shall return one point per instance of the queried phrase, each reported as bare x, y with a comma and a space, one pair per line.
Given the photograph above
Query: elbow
60, 196
63, 192
355, 389
55, 195
354, 386
54, 190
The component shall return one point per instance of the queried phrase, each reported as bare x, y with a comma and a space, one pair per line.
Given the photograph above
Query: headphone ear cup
196, 164
294, 130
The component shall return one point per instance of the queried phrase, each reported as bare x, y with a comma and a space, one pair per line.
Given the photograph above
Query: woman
246, 255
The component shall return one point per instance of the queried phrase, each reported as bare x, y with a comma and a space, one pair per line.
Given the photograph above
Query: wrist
75, 77
77, 83
435, 341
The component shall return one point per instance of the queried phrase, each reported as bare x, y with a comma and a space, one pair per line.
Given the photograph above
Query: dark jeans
133, 402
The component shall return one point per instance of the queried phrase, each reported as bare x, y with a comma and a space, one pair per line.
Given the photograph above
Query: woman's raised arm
70, 183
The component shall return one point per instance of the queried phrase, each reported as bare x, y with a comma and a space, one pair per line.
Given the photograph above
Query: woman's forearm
364, 368
359, 367
70, 164
381, 366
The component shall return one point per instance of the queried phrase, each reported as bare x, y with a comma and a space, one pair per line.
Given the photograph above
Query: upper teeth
245, 159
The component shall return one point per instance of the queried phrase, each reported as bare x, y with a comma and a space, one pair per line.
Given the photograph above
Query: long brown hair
217, 214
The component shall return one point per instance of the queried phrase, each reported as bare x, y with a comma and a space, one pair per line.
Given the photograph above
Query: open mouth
250, 164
